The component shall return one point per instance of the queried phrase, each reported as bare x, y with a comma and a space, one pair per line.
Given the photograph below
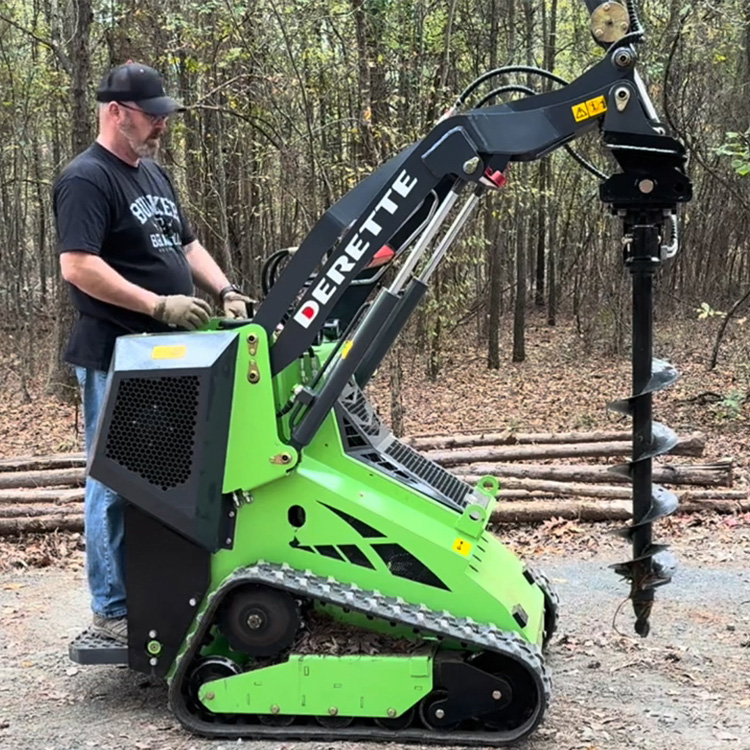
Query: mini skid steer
294, 570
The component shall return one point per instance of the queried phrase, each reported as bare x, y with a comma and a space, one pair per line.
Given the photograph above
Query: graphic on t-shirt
165, 216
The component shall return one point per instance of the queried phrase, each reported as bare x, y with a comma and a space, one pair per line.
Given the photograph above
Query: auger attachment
646, 201
652, 565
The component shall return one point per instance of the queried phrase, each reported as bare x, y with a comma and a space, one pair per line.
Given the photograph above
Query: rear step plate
90, 648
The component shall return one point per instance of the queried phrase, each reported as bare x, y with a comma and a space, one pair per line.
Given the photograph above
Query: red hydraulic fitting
496, 177
382, 256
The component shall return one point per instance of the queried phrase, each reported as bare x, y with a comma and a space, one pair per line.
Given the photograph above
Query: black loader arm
462, 149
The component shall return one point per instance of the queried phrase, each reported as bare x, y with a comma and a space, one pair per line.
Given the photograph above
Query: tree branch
64, 60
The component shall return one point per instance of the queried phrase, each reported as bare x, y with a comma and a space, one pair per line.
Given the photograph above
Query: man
131, 260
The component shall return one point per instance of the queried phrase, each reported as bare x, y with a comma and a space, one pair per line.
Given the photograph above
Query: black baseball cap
135, 82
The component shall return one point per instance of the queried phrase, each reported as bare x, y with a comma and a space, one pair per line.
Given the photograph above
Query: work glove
235, 304
181, 310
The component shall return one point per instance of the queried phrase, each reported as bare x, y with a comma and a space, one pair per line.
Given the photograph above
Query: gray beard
147, 150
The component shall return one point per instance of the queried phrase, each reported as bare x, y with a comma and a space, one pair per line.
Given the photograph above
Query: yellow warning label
596, 106
462, 546
346, 348
177, 351
590, 108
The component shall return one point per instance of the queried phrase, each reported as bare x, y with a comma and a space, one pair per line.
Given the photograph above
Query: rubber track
551, 600
371, 603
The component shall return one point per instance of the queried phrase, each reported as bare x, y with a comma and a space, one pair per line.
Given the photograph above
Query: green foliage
731, 406
737, 148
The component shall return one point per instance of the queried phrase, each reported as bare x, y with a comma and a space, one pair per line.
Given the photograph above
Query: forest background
291, 102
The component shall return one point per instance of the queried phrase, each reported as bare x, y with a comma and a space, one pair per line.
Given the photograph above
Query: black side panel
162, 439
163, 573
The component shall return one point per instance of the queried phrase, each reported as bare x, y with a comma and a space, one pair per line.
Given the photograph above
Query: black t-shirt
130, 217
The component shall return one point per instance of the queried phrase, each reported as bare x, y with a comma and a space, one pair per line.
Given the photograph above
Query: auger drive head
293, 569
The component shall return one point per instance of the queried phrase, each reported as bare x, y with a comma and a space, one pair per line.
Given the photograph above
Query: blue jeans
104, 512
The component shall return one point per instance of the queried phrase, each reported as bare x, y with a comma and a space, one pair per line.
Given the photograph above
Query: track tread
375, 604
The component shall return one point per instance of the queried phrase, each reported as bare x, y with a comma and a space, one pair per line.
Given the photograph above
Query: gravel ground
686, 687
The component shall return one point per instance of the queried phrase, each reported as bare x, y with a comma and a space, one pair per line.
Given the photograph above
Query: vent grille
152, 432
379, 460
352, 438
403, 564
363, 414
430, 473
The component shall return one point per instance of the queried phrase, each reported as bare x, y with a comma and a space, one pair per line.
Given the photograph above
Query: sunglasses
153, 119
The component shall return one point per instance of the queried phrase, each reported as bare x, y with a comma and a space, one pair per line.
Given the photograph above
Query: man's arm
98, 279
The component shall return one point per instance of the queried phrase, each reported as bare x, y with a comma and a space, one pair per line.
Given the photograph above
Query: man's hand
235, 304
181, 310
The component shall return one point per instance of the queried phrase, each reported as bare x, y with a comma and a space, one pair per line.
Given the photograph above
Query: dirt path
687, 687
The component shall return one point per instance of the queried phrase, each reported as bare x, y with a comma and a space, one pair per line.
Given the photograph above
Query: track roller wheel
397, 722
259, 620
276, 720
431, 714
208, 669
334, 722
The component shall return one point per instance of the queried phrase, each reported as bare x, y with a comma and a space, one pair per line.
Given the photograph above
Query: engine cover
162, 437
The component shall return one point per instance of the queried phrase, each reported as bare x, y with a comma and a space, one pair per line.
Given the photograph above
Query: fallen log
428, 442
46, 478
14, 526
708, 475
34, 463
41, 496
534, 510
688, 445
568, 489
25, 511
537, 511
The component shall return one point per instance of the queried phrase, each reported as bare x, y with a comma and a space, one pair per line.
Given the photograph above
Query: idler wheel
431, 712
519, 702
397, 722
334, 722
276, 720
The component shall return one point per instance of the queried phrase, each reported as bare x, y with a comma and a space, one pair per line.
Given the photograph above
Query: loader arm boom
462, 149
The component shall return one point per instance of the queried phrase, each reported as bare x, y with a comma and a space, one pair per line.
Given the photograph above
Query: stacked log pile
44, 493
532, 492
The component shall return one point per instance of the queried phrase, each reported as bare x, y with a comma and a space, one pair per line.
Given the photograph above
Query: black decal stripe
360, 526
355, 555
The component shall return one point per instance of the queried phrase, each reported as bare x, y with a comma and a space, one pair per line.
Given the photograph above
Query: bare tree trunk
534, 511
551, 56
493, 343
541, 234
61, 382
704, 475
519, 309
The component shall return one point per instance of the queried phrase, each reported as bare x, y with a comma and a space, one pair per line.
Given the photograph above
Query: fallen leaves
61, 549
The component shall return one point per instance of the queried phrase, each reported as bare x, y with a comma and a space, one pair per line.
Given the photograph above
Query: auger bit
645, 197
